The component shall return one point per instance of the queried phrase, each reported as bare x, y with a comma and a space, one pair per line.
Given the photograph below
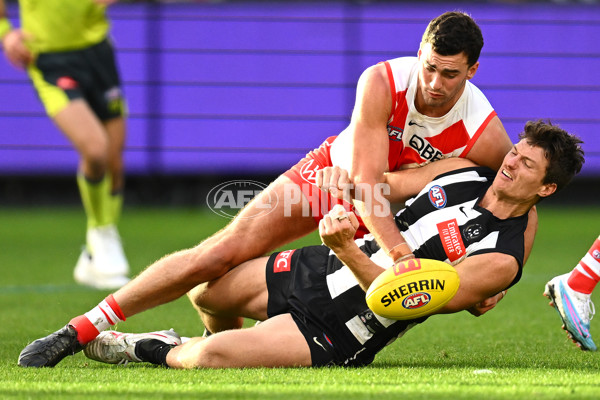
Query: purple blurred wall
251, 87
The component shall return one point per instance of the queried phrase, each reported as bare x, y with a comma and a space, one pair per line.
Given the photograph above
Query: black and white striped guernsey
442, 222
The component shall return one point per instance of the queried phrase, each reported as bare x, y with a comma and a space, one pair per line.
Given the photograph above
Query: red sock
586, 274
86, 331
105, 314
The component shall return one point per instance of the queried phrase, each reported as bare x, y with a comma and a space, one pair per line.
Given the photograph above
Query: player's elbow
364, 178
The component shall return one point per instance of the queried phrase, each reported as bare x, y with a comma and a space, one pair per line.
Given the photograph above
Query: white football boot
114, 347
86, 274
110, 266
84, 270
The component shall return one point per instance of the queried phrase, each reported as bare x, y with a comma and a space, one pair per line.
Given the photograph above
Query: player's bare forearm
360, 264
481, 278
379, 220
337, 230
406, 183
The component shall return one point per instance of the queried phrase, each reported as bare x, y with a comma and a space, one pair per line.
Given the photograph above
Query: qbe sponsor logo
425, 150
228, 198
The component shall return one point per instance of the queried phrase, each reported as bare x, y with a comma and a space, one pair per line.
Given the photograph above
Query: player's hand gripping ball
413, 288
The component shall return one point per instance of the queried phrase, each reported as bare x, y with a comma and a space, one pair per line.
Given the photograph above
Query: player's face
521, 174
441, 82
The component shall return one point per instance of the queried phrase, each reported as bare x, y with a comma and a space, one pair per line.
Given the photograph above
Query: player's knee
94, 161
211, 260
198, 296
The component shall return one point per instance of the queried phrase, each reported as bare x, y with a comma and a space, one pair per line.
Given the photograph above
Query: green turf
520, 341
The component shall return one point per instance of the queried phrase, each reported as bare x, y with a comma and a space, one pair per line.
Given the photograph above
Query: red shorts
304, 174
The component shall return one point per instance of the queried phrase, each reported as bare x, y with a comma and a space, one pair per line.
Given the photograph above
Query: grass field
517, 351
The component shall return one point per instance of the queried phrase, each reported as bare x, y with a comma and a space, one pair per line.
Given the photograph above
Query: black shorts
89, 74
296, 282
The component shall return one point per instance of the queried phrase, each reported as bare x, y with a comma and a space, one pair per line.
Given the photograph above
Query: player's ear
472, 69
547, 189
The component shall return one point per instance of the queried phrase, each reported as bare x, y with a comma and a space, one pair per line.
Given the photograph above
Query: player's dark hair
562, 150
452, 33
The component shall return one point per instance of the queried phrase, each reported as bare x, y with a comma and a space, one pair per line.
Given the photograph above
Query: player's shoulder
375, 79
401, 66
474, 94
403, 62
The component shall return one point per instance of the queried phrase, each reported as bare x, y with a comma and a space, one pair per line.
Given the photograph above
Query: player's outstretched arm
368, 158
481, 277
407, 183
402, 184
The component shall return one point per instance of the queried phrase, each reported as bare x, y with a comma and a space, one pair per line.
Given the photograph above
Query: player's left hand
338, 227
486, 305
336, 181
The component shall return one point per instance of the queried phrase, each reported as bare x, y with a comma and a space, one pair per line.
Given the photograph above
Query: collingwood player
312, 300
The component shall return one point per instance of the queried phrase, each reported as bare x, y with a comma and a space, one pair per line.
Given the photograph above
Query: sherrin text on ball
413, 288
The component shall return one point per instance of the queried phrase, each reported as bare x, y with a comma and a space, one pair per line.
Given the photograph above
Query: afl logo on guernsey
437, 196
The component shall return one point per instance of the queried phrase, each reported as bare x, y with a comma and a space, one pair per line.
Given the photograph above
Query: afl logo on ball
416, 300
437, 196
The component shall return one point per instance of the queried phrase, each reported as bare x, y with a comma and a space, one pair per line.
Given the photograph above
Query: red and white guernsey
416, 139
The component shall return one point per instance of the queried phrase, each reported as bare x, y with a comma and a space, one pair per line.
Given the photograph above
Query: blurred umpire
65, 49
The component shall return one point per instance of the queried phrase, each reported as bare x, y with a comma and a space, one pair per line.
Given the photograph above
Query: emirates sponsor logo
451, 239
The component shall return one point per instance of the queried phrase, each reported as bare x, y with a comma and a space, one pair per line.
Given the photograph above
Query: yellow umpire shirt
63, 25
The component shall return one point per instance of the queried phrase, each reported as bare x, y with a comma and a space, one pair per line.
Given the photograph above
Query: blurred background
243, 89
